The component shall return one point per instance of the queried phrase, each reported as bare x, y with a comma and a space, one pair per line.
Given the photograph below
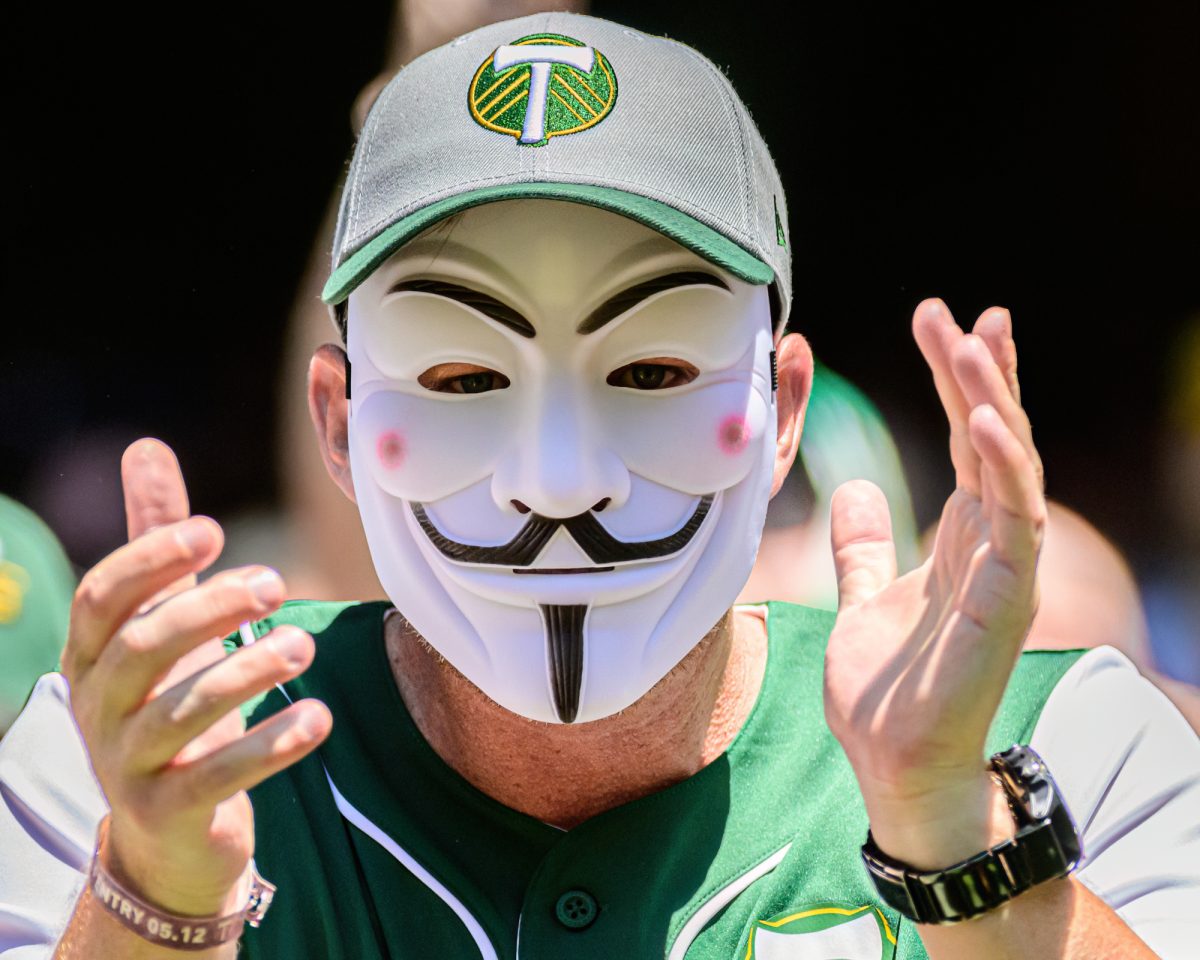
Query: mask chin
565, 615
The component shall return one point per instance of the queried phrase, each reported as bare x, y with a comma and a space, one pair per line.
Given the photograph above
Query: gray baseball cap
565, 107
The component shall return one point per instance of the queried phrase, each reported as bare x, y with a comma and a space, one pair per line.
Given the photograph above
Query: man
562, 407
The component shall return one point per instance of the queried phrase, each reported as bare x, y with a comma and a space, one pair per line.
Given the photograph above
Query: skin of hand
916, 666
156, 698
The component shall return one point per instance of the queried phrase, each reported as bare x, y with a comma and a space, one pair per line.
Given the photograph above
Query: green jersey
381, 850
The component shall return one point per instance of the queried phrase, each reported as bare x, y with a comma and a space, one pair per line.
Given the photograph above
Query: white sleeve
50, 806
1128, 766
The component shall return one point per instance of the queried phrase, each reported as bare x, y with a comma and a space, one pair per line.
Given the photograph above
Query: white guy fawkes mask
562, 436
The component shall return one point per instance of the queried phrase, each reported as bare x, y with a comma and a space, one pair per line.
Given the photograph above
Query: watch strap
969, 888
1045, 847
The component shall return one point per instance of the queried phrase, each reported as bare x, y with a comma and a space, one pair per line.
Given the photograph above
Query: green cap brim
696, 236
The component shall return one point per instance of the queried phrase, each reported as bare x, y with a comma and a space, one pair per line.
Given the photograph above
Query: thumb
864, 555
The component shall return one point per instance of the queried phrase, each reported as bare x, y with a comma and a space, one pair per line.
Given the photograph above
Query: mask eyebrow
627, 299
490, 307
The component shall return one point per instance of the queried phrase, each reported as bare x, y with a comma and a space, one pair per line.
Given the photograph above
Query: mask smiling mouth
558, 571
600, 546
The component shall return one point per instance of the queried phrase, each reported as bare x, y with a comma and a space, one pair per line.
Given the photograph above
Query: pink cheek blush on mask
733, 433
390, 450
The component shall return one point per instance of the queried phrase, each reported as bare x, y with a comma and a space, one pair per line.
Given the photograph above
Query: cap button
576, 909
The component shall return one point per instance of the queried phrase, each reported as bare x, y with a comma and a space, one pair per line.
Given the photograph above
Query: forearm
1059, 920
94, 934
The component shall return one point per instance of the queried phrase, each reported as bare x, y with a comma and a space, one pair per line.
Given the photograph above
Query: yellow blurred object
1184, 402
14, 584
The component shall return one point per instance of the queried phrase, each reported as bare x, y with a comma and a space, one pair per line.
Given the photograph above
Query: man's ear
794, 361
329, 408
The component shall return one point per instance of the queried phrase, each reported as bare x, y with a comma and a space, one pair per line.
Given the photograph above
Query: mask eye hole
654, 373
462, 378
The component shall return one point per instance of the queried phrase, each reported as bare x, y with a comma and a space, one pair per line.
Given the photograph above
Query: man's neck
565, 773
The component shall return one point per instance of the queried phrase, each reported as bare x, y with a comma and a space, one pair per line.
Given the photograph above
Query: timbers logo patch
829, 930
542, 86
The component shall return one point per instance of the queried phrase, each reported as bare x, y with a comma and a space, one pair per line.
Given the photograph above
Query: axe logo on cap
542, 86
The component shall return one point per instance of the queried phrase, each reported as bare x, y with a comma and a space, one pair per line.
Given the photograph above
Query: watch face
1032, 792
1039, 800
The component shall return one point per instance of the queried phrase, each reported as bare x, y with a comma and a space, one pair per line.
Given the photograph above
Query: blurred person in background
1089, 598
1172, 589
845, 438
36, 584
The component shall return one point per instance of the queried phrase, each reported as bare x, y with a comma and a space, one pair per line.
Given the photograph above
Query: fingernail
292, 646
266, 587
311, 724
196, 536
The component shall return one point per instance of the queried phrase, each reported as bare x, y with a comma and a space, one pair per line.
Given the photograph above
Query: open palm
917, 665
156, 699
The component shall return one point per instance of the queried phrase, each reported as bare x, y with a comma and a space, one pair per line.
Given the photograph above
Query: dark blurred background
169, 173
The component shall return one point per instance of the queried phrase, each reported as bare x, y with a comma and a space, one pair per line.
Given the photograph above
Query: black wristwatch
1046, 847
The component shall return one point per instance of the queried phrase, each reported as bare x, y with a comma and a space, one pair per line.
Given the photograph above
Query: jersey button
576, 909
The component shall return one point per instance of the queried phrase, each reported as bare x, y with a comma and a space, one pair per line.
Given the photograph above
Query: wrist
943, 825
150, 877
932, 882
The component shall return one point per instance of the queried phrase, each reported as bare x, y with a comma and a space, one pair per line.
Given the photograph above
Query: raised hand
156, 699
916, 666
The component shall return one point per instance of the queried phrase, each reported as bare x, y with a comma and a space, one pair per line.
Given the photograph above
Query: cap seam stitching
750, 178
358, 179
724, 87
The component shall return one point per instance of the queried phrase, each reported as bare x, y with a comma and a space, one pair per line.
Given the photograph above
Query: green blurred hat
36, 585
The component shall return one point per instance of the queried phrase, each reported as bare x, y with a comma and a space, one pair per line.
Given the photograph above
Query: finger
165, 725
127, 578
937, 334
155, 494
997, 598
149, 645
267, 748
864, 555
1018, 515
994, 327
982, 382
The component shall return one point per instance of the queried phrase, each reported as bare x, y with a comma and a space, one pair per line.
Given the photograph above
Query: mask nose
559, 466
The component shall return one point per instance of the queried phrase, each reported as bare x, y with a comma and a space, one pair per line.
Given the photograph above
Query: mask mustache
600, 546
